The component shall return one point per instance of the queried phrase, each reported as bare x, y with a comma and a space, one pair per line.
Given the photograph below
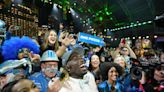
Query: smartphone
123, 41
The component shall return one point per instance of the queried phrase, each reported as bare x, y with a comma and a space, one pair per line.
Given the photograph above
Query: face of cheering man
76, 66
50, 68
23, 53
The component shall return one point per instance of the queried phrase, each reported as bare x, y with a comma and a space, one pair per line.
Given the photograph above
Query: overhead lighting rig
131, 25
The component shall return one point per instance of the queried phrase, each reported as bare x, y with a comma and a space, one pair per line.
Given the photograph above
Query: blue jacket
125, 80
106, 87
40, 80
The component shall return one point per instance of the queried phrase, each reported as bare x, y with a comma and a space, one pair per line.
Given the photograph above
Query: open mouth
114, 77
83, 67
95, 63
52, 39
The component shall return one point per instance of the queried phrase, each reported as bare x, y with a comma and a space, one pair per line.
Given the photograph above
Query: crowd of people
59, 63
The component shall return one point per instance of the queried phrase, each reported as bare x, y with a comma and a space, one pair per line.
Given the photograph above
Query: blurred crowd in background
55, 61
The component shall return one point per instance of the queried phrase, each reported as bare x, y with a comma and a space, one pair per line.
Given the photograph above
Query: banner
87, 38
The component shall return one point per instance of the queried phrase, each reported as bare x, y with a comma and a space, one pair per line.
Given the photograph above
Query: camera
144, 66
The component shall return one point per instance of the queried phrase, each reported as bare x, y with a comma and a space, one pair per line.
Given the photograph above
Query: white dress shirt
87, 84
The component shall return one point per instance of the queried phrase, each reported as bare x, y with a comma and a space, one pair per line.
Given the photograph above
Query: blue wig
11, 47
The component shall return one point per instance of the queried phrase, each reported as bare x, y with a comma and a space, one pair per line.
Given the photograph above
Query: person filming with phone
125, 50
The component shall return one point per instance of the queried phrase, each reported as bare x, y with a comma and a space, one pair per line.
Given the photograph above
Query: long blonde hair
122, 58
45, 43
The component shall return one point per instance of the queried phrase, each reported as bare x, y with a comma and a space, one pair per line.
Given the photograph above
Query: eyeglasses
51, 65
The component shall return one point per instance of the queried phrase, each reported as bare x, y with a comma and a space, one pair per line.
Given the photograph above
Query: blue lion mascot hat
11, 47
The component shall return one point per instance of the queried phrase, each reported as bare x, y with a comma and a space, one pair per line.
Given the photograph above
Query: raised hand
54, 85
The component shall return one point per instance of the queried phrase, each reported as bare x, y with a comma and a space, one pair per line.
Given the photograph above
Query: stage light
77, 16
155, 36
100, 18
55, 8
108, 36
147, 37
72, 11
139, 24
139, 37
74, 4
111, 18
144, 23
131, 25
135, 25
107, 13
97, 14
149, 22
60, 6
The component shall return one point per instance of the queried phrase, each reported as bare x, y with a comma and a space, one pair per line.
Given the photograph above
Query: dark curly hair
106, 66
8, 87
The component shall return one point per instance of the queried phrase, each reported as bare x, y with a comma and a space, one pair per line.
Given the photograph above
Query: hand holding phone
122, 42
54, 85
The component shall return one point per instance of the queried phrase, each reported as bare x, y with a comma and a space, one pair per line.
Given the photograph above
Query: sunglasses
24, 50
